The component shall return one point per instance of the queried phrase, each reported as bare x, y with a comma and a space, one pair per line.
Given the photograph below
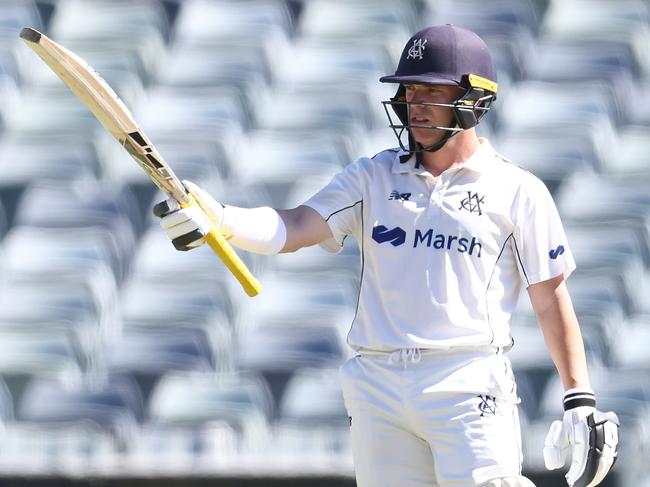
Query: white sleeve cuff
259, 230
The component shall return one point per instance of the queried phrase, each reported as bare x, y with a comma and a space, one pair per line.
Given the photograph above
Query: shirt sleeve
540, 241
340, 204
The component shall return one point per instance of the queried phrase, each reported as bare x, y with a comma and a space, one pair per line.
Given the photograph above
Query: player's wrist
259, 230
578, 397
212, 208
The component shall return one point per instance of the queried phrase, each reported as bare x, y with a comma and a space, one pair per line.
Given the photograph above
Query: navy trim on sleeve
340, 210
363, 261
514, 239
487, 307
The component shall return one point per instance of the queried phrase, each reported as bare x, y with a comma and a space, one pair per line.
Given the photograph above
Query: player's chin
427, 137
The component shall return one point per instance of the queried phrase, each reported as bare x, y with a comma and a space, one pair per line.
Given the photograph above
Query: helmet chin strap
438, 145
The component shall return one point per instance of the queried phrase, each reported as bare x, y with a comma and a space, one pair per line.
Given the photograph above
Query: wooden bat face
145, 154
107, 107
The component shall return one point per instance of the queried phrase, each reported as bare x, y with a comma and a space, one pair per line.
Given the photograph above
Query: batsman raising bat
449, 232
107, 107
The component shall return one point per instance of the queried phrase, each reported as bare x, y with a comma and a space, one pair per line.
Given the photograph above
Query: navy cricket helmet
444, 55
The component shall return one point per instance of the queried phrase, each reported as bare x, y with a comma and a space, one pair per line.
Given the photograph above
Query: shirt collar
403, 164
477, 162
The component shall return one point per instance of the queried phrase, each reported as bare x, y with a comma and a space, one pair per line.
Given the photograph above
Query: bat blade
116, 118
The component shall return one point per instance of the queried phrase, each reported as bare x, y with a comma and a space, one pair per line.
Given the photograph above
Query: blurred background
122, 358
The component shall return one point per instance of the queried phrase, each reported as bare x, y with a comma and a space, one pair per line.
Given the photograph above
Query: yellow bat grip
227, 254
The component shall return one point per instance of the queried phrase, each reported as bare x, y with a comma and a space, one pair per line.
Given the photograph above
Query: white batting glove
187, 227
588, 434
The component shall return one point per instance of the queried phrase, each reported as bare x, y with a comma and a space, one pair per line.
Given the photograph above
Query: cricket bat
107, 107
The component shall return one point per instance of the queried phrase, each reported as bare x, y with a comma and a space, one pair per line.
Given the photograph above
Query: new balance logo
396, 195
396, 236
555, 253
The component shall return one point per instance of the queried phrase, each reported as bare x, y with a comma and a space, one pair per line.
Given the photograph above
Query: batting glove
188, 227
588, 434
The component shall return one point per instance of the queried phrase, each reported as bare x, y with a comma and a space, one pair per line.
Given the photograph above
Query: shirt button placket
436, 194
433, 185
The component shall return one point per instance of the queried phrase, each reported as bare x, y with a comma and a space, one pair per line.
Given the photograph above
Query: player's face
421, 116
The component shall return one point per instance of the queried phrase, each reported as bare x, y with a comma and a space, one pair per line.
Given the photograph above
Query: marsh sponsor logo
396, 236
440, 241
428, 238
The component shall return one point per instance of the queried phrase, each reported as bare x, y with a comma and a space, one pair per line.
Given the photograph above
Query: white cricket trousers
429, 418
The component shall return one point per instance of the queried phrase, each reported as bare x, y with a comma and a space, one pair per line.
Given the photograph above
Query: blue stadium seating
149, 354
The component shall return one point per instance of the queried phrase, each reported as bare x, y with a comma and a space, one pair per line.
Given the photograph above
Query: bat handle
225, 252
232, 261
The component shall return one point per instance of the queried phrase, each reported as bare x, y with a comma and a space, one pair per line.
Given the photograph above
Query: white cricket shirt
443, 259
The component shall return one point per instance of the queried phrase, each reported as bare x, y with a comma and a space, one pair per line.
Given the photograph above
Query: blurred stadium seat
202, 264
198, 399
277, 350
147, 353
630, 156
138, 29
289, 161
41, 351
330, 62
626, 22
312, 420
16, 15
6, 404
68, 448
111, 409
313, 397
203, 22
481, 17
78, 19
47, 159
357, 19
629, 347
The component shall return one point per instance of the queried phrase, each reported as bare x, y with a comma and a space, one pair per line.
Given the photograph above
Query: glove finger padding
185, 227
164, 207
518, 481
579, 441
556, 446
600, 454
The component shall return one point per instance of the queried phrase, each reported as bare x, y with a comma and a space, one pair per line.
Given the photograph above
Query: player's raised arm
262, 230
305, 227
